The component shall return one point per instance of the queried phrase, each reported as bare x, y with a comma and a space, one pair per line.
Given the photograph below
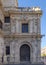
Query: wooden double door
25, 53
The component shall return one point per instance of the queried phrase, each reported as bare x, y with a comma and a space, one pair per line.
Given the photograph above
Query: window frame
7, 19
7, 53
27, 27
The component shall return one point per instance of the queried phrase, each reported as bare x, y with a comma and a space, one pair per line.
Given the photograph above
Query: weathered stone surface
10, 3
6, 28
12, 32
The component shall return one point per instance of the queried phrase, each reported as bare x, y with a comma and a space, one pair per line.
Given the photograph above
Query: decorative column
31, 26
17, 60
39, 50
34, 51
39, 25
13, 25
35, 26
12, 51
1, 49
18, 26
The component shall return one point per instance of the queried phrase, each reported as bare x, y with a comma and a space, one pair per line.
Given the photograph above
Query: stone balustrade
22, 9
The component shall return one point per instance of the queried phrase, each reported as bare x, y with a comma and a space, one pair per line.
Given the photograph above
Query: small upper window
25, 28
7, 19
7, 50
0, 24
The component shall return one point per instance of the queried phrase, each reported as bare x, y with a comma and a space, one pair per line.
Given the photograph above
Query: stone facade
9, 3
11, 33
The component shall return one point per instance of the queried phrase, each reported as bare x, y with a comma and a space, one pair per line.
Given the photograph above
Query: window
0, 24
7, 50
25, 27
7, 20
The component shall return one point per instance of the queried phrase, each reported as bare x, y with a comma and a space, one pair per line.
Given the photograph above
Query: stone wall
16, 43
1, 16
15, 27
13, 36
9, 3
33, 22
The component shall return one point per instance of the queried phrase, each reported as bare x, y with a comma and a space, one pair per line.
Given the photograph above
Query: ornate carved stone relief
13, 26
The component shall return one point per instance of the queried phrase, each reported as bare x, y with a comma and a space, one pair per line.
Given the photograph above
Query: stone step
25, 64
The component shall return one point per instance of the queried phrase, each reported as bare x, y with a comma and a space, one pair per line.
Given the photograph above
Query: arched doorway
25, 53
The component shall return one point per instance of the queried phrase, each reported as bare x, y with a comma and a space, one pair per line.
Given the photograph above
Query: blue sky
42, 5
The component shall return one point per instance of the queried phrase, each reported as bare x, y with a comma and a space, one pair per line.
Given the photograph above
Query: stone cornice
21, 10
23, 36
30, 13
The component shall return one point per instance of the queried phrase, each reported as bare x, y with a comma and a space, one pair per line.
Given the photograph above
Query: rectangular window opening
25, 28
7, 50
7, 19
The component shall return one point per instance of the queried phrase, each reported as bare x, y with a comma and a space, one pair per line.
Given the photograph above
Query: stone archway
25, 53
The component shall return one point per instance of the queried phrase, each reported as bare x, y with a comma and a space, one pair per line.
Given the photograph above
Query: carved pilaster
39, 26
13, 25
